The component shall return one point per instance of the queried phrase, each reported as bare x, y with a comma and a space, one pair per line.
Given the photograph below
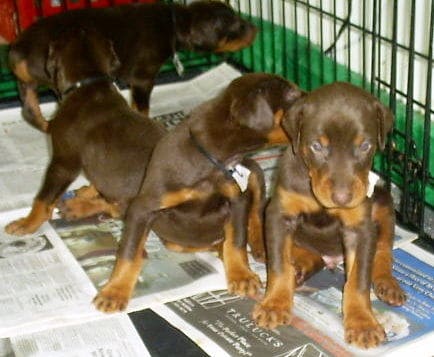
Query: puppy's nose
342, 197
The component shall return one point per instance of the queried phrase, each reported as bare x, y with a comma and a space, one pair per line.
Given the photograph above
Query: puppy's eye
365, 146
316, 147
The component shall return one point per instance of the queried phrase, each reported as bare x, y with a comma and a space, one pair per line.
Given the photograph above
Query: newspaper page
40, 281
165, 276
221, 324
107, 337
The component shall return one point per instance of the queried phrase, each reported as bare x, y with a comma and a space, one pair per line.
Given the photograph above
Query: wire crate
383, 46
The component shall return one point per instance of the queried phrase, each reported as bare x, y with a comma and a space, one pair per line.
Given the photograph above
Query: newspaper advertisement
221, 324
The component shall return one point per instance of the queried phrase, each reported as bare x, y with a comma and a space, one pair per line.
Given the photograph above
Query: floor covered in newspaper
180, 305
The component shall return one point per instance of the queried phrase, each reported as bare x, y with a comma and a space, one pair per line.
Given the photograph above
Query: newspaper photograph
165, 276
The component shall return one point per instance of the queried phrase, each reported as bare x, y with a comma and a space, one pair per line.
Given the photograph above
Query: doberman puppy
143, 37
93, 130
320, 209
200, 191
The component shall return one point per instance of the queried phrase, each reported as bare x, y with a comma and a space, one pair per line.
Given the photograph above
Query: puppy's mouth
345, 196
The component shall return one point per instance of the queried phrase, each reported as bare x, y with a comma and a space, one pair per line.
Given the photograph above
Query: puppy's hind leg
58, 177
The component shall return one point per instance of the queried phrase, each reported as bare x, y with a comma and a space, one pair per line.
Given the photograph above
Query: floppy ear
384, 123
292, 123
253, 112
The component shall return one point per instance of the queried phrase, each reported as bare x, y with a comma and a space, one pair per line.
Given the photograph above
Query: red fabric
7, 23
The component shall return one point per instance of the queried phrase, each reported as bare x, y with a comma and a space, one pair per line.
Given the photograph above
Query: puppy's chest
321, 233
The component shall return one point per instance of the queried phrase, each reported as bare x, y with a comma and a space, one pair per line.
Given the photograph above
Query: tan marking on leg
386, 287
324, 140
81, 207
21, 70
255, 234
171, 199
115, 295
87, 192
305, 263
32, 101
230, 190
40, 213
185, 249
276, 307
293, 203
361, 327
241, 280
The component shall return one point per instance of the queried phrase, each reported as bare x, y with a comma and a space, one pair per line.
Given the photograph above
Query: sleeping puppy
320, 211
144, 36
200, 192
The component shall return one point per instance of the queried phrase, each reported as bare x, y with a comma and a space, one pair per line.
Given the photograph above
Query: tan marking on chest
350, 217
293, 203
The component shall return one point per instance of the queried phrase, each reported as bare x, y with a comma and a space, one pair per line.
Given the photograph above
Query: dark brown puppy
93, 130
143, 37
320, 209
189, 197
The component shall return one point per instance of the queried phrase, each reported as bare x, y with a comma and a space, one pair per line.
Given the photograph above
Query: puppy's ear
384, 123
292, 123
253, 112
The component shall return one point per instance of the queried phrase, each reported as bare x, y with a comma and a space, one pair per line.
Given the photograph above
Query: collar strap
216, 162
85, 82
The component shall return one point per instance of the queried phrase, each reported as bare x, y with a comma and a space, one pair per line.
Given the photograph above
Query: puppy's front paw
111, 299
364, 334
244, 284
271, 315
22, 226
388, 290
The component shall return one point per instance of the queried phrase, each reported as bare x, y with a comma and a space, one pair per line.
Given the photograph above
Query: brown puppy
189, 196
143, 37
320, 209
93, 130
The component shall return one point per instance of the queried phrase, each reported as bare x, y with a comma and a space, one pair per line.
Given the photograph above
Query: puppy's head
79, 54
336, 129
213, 26
257, 103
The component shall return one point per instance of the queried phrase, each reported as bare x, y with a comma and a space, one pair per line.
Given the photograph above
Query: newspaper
55, 273
40, 281
110, 336
221, 324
